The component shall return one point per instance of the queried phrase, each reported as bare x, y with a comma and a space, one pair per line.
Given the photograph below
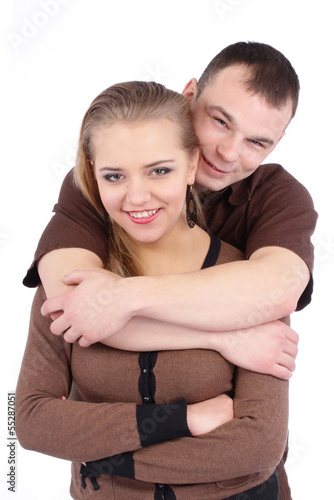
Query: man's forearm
270, 348
145, 334
227, 297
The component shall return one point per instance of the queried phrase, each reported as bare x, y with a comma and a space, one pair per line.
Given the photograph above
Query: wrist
217, 341
139, 294
191, 419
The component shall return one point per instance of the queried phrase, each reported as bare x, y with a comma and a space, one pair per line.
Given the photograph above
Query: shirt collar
237, 194
240, 192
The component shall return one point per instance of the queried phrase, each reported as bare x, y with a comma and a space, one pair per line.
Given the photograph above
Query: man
241, 108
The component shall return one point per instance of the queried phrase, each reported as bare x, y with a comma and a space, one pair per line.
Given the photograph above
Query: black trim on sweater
162, 422
146, 382
213, 252
118, 465
164, 492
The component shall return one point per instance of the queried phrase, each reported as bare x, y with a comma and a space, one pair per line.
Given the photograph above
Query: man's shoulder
69, 189
272, 173
267, 178
273, 178
261, 181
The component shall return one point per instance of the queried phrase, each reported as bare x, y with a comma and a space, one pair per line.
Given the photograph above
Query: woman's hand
206, 416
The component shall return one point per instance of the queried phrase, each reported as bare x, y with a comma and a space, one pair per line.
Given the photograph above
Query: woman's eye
113, 177
160, 171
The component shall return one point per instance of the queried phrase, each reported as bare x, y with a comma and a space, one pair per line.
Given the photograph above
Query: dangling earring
191, 209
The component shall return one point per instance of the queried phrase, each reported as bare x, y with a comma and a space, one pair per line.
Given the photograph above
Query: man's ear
190, 90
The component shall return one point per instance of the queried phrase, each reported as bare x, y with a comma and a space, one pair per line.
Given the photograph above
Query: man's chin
204, 182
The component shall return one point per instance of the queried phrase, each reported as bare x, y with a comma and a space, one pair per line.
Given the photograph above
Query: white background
57, 55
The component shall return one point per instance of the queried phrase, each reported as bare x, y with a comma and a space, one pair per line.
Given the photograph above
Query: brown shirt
268, 208
108, 416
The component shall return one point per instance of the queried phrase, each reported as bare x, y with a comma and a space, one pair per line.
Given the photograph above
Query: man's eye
113, 177
221, 121
256, 143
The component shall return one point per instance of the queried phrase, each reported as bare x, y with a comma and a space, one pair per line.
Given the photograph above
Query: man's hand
204, 417
270, 348
87, 309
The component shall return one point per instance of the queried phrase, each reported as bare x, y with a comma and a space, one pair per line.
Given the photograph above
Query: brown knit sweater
134, 406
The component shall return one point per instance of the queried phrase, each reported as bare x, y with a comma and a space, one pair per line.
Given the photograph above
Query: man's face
236, 129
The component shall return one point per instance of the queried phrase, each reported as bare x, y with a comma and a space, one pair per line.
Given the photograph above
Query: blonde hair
128, 102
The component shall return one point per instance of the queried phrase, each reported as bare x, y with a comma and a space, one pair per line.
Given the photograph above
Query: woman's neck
181, 253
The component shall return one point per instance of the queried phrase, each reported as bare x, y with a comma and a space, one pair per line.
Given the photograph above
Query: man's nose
229, 149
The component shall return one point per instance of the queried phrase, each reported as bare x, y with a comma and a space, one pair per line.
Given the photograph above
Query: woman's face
142, 175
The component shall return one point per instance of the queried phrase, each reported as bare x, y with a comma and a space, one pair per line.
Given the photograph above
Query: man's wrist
217, 341
139, 295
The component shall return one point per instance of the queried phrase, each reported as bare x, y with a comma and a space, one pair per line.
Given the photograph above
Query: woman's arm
77, 430
251, 443
48, 424
48, 421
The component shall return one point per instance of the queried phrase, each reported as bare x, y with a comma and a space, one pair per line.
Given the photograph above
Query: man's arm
233, 295
55, 264
269, 348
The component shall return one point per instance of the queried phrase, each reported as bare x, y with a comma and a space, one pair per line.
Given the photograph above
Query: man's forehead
236, 74
228, 94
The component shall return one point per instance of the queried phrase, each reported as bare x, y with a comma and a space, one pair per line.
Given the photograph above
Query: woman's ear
193, 167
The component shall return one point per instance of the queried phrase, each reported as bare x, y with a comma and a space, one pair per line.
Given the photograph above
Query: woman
162, 420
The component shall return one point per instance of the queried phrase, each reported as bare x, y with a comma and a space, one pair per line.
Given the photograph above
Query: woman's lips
143, 216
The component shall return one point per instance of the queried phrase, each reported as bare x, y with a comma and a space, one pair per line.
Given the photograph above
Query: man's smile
214, 168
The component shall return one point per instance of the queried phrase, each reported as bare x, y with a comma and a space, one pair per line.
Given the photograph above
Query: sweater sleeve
252, 442
77, 430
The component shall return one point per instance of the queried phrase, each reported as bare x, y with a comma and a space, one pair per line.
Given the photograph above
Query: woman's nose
137, 193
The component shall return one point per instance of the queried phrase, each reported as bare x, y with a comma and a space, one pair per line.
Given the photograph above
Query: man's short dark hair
270, 75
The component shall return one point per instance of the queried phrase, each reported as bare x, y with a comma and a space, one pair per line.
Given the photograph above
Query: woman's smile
143, 217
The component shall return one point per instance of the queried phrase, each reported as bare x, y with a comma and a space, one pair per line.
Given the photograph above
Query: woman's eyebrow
149, 165
114, 169
159, 162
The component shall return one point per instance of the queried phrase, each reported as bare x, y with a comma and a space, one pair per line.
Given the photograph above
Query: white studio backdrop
57, 55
